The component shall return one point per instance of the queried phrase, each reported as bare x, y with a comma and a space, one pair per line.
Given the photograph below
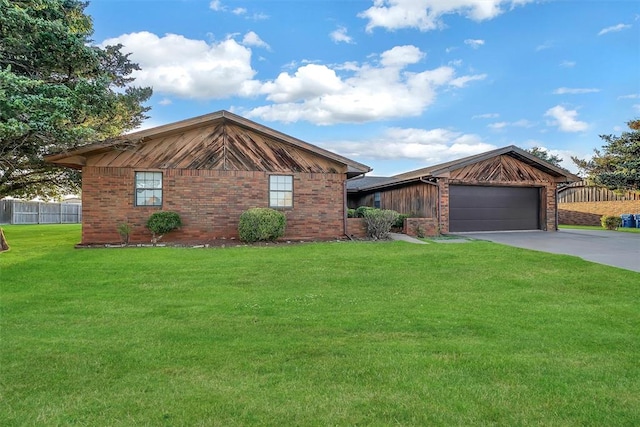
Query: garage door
478, 208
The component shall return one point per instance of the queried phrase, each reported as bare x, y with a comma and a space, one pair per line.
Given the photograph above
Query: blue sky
394, 84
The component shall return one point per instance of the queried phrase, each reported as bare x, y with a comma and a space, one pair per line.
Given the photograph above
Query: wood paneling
221, 146
416, 199
500, 169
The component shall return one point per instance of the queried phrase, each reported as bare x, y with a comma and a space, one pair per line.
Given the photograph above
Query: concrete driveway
604, 247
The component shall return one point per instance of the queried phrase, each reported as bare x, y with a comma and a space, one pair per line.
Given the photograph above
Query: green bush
610, 222
351, 213
379, 222
261, 224
362, 209
161, 223
400, 221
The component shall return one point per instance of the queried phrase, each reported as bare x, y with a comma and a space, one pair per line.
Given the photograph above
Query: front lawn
386, 333
592, 227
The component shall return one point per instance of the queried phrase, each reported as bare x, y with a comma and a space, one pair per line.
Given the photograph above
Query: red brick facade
209, 202
421, 227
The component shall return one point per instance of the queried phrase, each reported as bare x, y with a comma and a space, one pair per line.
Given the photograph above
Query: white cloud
165, 101
474, 43
427, 15
566, 120
574, 91
176, 65
356, 93
630, 96
522, 123
340, 36
614, 29
544, 46
252, 39
239, 11
462, 81
217, 6
431, 146
486, 116
568, 64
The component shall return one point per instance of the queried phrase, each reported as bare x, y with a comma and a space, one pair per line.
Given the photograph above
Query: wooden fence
579, 192
20, 212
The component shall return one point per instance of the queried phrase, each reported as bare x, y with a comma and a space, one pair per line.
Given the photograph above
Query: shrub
610, 222
400, 221
379, 222
161, 223
351, 213
361, 210
261, 224
124, 230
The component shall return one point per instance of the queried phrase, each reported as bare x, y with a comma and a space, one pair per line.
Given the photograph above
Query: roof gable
506, 168
220, 140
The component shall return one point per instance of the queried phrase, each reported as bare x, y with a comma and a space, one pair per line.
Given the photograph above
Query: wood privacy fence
20, 212
579, 192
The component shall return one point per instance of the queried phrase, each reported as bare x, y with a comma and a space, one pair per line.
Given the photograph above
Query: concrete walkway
612, 248
405, 238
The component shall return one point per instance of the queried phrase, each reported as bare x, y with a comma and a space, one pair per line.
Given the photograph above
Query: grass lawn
591, 227
314, 334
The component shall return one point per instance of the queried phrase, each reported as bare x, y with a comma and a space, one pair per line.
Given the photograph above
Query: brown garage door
480, 208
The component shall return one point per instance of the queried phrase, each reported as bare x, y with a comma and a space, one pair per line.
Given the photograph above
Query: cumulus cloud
431, 146
474, 43
614, 29
630, 96
252, 39
217, 6
173, 64
574, 91
339, 35
357, 93
566, 120
165, 101
427, 15
568, 64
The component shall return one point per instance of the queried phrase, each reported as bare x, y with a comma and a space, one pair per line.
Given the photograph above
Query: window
148, 188
280, 191
376, 200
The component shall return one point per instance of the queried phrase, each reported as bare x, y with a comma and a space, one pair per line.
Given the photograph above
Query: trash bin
627, 221
637, 220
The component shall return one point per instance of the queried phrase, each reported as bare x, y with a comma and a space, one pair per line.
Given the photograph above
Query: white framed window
280, 191
148, 188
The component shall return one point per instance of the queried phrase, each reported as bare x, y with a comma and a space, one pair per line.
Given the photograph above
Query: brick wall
589, 213
420, 226
209, 203
356, 228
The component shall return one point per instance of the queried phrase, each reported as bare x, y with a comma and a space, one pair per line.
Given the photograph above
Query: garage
493, 208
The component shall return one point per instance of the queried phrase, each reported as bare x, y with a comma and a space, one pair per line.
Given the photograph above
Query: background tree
57, 91
617, 165
545, 155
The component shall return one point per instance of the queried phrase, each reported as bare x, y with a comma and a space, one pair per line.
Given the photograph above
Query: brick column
551, 207
443, 205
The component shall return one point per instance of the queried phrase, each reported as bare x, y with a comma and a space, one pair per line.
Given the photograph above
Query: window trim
292, 191
377, 200
135, 189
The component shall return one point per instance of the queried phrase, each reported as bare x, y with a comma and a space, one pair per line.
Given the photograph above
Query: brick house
209, 169
503, 189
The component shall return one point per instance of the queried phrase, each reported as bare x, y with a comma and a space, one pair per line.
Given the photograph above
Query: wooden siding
500, 169
221, 146
417, 199
579, 192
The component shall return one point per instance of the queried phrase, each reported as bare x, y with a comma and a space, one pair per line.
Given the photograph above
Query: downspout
344, 208
557, 212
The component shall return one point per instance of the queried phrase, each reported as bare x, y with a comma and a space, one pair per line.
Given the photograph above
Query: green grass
593, 227
314, 334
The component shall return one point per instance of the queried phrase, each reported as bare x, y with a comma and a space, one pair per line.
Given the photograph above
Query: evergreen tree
617, 165
58, 91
